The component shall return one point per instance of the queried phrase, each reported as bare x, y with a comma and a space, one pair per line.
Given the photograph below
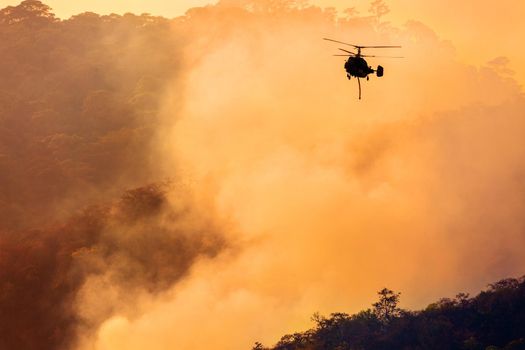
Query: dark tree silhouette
386, 309
258, 346
493, 320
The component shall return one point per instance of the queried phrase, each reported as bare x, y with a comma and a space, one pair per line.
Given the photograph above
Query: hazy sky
479, 30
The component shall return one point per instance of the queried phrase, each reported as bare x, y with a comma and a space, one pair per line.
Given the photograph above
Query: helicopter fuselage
358, 67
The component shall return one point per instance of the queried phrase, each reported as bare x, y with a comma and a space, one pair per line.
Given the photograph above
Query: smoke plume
419, 186
324, 198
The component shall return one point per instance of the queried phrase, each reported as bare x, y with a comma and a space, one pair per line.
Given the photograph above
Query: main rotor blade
350, 52
340, 42
345, 55
365, 47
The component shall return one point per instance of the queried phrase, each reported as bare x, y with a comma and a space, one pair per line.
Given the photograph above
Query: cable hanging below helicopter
356, 65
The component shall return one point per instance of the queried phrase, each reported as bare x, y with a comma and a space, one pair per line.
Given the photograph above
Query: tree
378, 9
386, 308
505, 284
258, 346
30, 11
351, 12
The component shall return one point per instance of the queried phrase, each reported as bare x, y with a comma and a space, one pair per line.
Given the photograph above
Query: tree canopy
493, 320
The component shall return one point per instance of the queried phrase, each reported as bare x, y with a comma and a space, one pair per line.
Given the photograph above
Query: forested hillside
492, 320
78, 102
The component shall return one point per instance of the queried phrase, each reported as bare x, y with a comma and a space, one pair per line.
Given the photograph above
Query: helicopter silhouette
356, 65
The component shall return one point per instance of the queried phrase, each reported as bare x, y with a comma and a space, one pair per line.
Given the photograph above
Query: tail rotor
379, 71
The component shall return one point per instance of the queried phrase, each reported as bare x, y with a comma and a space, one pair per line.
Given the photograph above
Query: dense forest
78, 105
492, 320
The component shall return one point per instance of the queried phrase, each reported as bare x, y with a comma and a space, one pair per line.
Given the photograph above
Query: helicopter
356, 65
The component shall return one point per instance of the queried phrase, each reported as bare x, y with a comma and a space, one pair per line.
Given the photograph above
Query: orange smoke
417, 187
325, 198
143, 243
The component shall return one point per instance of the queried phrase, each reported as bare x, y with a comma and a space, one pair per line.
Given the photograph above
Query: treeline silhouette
492, 320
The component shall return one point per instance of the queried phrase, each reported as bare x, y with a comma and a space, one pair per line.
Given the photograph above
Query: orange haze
418, 187
291, 196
